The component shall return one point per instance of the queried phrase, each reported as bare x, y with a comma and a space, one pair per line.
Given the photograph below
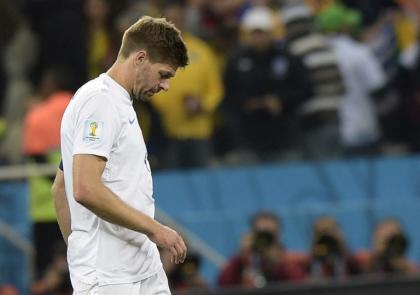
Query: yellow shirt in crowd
201, 78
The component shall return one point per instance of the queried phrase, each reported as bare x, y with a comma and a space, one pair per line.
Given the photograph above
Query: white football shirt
100, 120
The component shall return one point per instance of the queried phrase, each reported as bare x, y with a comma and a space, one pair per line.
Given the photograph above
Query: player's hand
246, 244
169, 239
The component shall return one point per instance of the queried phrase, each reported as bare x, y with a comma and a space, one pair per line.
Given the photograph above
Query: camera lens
396, 245
326, 245
262, 240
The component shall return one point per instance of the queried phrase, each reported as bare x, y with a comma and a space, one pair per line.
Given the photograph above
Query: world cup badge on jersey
93, 130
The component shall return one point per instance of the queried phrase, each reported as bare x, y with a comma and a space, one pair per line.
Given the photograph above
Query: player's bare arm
61, 205
90, 192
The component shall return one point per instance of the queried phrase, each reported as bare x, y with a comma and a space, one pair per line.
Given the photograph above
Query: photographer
56, 278
183, 276
262, 259
390, 245
330, 258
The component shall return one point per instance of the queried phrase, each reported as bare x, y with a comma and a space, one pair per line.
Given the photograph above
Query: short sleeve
96, 127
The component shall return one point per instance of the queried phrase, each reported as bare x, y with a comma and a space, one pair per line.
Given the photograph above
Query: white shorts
155, 285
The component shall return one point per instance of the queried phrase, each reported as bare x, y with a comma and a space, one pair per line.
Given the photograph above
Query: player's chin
144, 98
147, 96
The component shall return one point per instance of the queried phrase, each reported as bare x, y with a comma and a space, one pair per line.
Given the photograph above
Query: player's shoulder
93, 91
93, 86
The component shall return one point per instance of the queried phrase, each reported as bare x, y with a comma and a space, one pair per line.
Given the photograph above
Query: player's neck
120, 74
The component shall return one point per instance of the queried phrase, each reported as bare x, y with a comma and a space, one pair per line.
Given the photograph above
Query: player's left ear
139, 57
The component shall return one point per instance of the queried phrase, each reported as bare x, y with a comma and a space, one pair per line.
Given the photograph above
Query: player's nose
164, 85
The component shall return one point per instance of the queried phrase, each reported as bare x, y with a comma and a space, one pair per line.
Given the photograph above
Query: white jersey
100, 120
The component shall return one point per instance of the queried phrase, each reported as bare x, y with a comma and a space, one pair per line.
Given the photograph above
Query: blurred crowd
268, 80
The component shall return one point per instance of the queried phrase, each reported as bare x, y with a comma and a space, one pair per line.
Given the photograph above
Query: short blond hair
160, 38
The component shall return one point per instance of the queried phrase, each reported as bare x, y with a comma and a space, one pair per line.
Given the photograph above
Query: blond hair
160, 38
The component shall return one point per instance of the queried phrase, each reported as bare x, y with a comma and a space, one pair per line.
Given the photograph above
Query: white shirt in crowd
100, 120
362, 74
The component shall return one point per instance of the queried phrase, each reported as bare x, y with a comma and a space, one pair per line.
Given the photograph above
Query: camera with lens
262, 241
395, 246
327, 246
390, 260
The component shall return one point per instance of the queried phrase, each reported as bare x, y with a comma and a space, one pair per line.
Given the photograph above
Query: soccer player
108, 184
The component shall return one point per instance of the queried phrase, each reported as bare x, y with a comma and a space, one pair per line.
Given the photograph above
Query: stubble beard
139, 97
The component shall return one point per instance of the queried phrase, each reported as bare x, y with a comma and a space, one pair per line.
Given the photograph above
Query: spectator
363, 77
19, 52
187, 111
42, 121
389, 249
219, 20
56, 279
318, 115
382, 27
330, 257
101, 47
318, 5
8, 290
409, 89
9, 22
41, 144
386, 35
262, 258
262, 89
185, 276
61, 28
